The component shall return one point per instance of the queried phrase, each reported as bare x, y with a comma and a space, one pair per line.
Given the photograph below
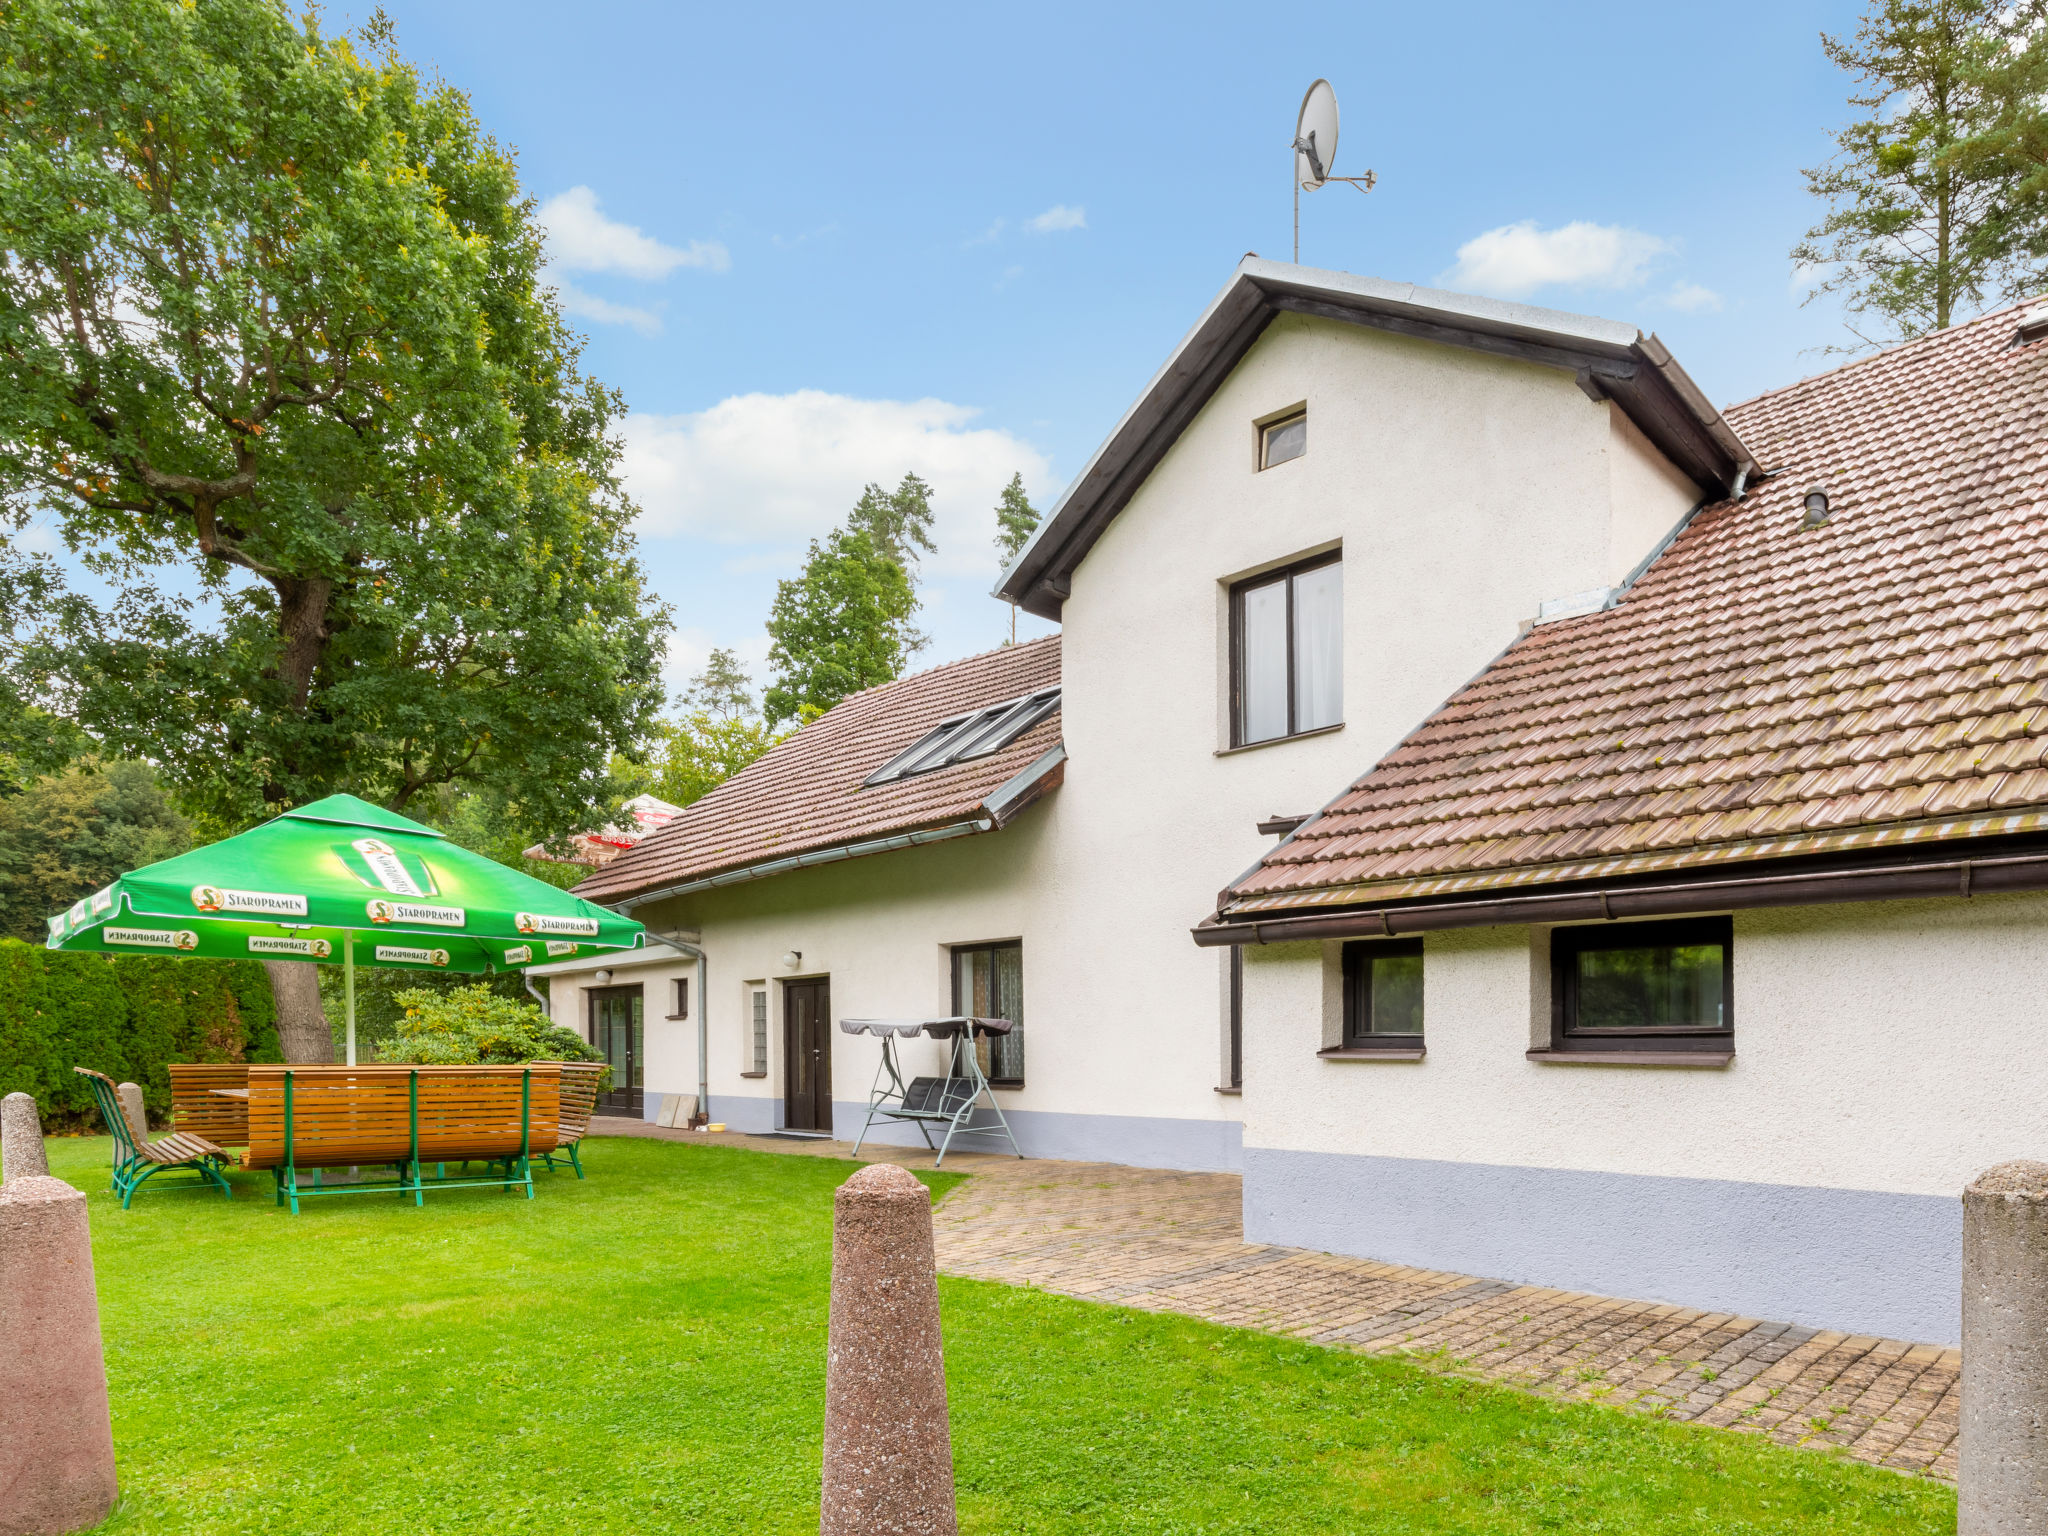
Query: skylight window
975, 734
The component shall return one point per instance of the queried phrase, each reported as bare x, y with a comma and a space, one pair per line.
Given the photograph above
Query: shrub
126, 1016
472, 1025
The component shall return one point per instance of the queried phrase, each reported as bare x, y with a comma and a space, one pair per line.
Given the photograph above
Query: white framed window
755, 1047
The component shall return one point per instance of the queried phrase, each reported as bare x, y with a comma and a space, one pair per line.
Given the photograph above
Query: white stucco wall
1463, 489
1882, 1050
1887, 1046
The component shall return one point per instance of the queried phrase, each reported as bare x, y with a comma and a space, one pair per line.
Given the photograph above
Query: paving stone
1167, 1241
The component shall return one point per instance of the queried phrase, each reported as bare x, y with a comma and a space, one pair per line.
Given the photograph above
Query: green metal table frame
410, 1180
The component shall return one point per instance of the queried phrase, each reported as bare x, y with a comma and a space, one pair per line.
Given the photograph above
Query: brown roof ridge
1895, 349
940, 666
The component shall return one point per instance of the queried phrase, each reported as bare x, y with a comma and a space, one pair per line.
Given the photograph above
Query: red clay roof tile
1763, 690
807, 794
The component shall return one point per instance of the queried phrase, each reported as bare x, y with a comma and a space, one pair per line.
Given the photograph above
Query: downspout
703, 1113
547, 1005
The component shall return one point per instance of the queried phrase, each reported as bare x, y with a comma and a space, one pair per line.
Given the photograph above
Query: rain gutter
807, 860
1895, 882
1018, 791
702, 1114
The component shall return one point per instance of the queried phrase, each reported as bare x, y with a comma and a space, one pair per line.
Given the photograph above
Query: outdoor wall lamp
604, 978
1816, 507
793, 959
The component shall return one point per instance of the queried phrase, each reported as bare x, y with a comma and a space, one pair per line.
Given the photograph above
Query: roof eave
1610, 360
1961, 874
996, 810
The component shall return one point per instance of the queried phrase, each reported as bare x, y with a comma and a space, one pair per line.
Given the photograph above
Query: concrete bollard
2002, 1452
21, 1138
130, 1096
888, 1447
56, 1442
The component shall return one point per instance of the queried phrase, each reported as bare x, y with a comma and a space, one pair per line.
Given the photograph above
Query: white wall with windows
1351, 527
1881, 1058
575, 991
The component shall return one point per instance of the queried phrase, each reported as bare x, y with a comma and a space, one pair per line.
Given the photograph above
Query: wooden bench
197, 1109
138, 1159
579, 1099
317, 1117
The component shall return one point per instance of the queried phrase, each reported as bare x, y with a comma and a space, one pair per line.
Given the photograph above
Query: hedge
126, 1017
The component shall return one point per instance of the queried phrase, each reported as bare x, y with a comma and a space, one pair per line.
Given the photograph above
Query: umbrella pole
348, 989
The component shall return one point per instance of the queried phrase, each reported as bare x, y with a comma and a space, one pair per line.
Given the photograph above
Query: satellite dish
1315, 136
1315, 151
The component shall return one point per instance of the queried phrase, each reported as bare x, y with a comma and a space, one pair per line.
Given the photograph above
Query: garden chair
137, 1158
579, 1099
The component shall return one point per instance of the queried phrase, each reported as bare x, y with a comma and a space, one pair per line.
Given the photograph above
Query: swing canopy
342, 879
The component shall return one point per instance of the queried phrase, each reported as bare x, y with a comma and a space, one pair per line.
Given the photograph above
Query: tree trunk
302, 626
301, 1023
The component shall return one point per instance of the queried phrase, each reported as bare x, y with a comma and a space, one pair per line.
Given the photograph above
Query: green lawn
644, 1352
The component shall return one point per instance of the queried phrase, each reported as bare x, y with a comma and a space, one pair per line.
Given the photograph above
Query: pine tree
899, 521
1926, 216
841, 625
723, 688
718, 737
1016, 519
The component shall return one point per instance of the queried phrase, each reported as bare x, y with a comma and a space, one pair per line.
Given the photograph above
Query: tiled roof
806, 795
1762, 691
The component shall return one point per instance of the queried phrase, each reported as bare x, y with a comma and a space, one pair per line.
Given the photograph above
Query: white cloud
778, 469
1517, 259
1058, 217
988, 236
1692, 298
589, 306
582, 239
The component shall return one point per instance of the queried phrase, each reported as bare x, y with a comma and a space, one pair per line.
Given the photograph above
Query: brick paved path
1172, 1242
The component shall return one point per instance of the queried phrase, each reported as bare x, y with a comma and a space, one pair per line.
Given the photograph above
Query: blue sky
816, 245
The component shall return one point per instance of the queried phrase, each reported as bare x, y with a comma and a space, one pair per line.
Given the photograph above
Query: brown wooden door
807, 1055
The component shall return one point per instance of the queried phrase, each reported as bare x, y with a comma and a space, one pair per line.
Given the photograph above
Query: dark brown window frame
1568, 943
594, 998
1355, 1039
682, 998
953, 954
1237, 592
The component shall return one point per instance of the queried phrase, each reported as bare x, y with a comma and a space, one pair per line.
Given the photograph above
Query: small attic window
1282, 440
975, 734
2033, 324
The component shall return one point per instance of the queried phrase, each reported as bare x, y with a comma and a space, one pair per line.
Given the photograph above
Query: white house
1340, 504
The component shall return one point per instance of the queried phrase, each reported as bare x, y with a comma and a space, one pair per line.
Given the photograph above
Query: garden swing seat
137, 1158
932, 1102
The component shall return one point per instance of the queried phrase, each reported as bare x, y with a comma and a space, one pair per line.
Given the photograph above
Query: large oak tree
274, 352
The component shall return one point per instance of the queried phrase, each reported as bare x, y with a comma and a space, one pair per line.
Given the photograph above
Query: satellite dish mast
1315, 151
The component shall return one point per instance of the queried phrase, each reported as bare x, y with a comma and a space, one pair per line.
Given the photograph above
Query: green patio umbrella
341, 882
